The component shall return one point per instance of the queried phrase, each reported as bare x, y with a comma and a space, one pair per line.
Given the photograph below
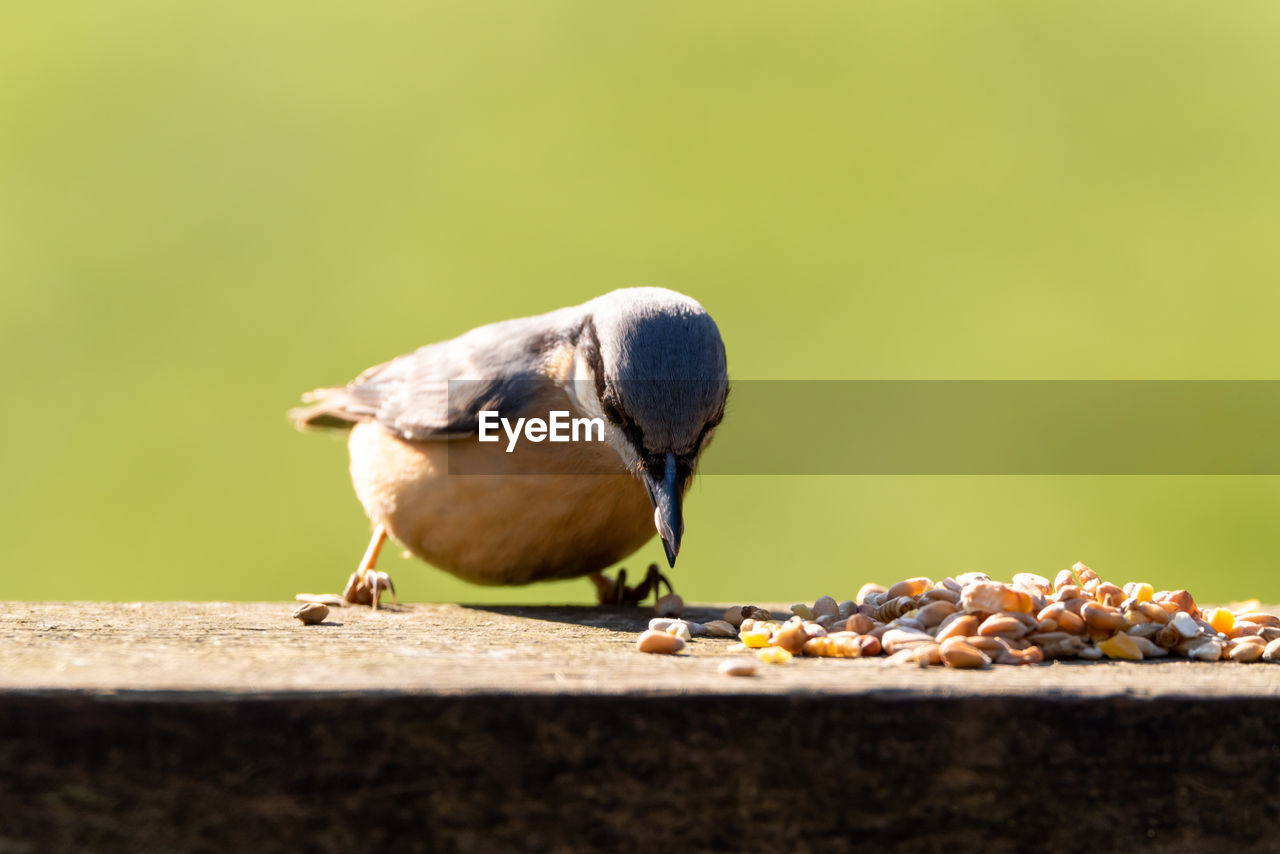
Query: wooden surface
218, 727
257, 648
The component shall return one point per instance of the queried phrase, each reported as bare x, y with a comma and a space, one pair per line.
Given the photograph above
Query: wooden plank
214, 727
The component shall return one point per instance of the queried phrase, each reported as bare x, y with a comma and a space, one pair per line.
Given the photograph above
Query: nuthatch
649, 362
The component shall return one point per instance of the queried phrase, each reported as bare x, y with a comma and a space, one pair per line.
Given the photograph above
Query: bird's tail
327, 408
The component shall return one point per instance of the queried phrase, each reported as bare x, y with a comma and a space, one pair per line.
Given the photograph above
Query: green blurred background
207, 209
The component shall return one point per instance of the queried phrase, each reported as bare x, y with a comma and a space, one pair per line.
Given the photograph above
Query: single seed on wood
670, 605
738, 667
311, 613
659, 642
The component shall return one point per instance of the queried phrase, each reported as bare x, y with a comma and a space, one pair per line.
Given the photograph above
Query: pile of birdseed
971, 621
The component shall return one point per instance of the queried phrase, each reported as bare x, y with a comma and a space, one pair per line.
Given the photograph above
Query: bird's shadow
614, 617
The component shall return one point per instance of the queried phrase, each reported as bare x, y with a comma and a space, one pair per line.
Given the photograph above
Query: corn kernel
1221, 619
1142, 592
774, 655
1120, 646
755, 639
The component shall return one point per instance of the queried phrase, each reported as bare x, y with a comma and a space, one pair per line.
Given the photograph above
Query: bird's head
653, 367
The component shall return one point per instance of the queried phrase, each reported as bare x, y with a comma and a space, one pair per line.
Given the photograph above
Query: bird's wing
436, 391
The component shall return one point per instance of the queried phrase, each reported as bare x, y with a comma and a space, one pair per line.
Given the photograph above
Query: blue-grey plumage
648, 361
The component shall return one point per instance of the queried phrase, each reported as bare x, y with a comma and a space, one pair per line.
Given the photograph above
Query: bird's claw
366, 586
614, 591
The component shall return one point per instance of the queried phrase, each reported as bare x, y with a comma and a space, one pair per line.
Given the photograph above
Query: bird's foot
366, 586
614, 591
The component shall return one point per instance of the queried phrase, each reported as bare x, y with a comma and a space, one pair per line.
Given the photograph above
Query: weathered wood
211, 726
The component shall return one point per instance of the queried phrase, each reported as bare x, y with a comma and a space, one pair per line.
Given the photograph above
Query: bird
645, 365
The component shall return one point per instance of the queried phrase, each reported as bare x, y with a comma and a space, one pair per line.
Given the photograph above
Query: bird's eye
610, 408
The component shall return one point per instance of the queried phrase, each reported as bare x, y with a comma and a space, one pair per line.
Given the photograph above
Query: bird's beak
668, 518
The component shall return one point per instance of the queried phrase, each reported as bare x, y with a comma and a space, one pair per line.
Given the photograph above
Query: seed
1139, 591
964, 579
755, 638
847, 609
942, 594
826, 606
670, 605
1153, 612
1269, 633
1031, 655
659, 642
734, 615
962, 655
1144, 630
720, 629
1032, 581
1102, 618
859, 623
1209, 650
774, 655
1057, 644
1221, 619
680, 629
991, 597
895, 640
934, 613
1272, 652
1181, 600
1090, 652
999, 624
1245, 650
1261, 618
802, 611
963, 625
1065, 578
894, 608
1149, 648
1185, 625
311, 613
1168, 637
1109, 594
1120, 646
738, 667
908, 587
757, 614
1084, 573
868, 645
791, 637
866, 590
